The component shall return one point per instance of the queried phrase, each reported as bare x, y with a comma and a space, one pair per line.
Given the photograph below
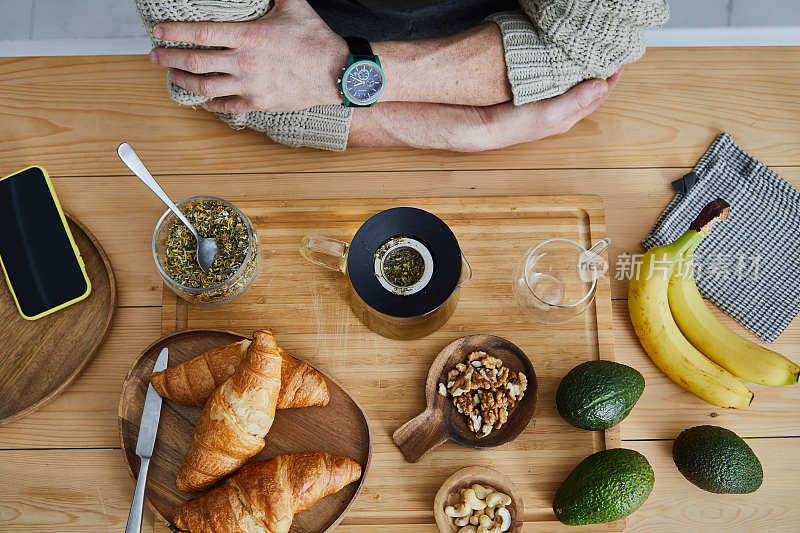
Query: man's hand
289, 59
475, 129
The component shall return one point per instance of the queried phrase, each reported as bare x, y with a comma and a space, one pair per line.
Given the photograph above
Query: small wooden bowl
448, 494
441, 421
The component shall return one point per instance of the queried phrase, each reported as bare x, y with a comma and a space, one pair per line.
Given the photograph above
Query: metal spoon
207, 248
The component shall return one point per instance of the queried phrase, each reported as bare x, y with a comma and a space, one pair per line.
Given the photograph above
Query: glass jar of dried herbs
236, 265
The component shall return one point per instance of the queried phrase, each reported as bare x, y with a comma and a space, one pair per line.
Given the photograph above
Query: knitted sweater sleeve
551, 45
324, 127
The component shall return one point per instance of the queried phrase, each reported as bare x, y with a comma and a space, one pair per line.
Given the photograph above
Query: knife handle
134, 524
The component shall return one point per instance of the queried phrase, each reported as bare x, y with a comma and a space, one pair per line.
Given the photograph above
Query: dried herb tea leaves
403, 266
211, 218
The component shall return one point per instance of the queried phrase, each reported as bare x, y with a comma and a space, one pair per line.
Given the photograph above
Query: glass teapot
404, 269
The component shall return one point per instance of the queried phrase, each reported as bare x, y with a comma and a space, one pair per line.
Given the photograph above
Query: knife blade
151, 412
148, 427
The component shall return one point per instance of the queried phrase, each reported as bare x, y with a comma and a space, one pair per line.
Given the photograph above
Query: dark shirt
403, 20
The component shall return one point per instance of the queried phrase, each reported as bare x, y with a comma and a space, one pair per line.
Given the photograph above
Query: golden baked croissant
192, 382
263, 497
235, 419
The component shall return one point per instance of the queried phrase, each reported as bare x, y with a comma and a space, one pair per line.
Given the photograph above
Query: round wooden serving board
40, 358
340, 428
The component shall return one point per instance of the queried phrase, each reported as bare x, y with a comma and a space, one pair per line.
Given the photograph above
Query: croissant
264, 496
192, 382
235, 419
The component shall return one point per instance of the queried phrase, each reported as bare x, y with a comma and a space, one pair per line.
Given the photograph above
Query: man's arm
468, 68
474, 129
289, 59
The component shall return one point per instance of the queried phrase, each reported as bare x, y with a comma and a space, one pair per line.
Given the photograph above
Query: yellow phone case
74, 249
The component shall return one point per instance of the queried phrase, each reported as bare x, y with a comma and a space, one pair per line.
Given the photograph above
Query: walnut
487, 399
480, 381
484, 391
501, 419
476, 355
492, 362
463, 384
464, 404
500, 398
489, 417
501, 377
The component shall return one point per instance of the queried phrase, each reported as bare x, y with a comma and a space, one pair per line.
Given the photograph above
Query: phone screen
36, 251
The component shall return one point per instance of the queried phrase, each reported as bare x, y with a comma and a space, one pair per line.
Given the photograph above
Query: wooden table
61, 467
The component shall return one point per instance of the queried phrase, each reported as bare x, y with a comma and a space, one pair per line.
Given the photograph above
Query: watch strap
360, 48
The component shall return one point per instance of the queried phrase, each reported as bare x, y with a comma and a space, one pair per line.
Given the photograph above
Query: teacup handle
324, 251
420, 435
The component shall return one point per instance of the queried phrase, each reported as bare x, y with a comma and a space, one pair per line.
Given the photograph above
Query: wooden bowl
448, 494
441, 421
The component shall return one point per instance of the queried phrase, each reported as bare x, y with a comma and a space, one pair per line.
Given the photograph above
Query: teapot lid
395, 227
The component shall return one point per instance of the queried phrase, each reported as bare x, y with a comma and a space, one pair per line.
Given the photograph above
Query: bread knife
148, 428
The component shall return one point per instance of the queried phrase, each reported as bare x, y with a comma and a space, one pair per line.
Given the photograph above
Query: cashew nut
505, 516
482, 510
480, 491
485, 521
472, 501
458, 511
497, 498
462, 521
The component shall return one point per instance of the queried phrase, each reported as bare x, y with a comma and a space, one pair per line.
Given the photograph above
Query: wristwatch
362, 79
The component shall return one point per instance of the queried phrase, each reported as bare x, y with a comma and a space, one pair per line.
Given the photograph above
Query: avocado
717, 460
598, 394
606, 486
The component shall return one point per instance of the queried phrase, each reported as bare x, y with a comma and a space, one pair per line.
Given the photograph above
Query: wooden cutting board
40, 358
305, 306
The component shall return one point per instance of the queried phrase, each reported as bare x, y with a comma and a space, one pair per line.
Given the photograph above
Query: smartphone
39, 257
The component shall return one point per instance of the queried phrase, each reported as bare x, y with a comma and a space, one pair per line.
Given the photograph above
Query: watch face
362, 82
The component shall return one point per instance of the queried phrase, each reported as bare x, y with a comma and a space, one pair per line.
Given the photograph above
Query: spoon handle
129, 157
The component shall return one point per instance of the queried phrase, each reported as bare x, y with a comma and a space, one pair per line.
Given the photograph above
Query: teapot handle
324, 251
466, 275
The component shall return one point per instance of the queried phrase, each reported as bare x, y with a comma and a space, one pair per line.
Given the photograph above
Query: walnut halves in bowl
484, 391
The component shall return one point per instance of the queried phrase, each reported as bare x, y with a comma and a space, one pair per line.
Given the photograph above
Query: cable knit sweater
550, 46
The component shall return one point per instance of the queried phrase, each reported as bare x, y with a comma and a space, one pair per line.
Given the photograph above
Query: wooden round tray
40, 358
340, 428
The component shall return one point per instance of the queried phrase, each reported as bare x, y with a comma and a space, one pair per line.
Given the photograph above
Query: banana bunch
681, 335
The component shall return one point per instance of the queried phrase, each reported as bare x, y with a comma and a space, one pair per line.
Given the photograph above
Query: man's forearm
418, 125
467, 68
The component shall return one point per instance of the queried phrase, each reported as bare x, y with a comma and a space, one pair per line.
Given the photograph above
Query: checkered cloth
749, 265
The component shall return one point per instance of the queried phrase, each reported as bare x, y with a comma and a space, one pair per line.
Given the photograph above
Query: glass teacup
557, 279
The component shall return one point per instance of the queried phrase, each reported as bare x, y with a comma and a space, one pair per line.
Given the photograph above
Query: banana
648, 304
741, 357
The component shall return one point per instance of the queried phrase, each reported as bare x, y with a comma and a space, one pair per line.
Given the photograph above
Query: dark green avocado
606, 486
598, 394
717, 460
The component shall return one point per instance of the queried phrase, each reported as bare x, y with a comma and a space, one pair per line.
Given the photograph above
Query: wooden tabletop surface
62, 467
